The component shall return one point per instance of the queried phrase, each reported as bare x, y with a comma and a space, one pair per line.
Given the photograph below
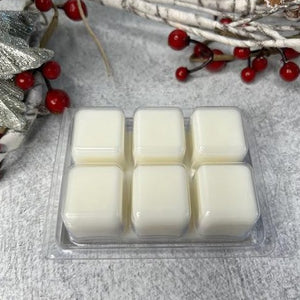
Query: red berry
43, 5
259, 63
201, 50
178, 39
182, 73
248, 74
226, 20
72, 10
57, 100
290, 71
241, 53
216, 66
290, 53
51, 70
24, 80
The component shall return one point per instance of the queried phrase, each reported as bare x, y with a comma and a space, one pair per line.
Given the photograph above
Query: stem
216, 57
284, 59
48, 84
194, 41
249, 62
205, 63
51, 28
2, 131
205, 42
96, 40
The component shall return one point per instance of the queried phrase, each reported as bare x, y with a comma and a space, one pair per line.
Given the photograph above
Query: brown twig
48, 84
2, 130
95, 38
51, 28
216, 57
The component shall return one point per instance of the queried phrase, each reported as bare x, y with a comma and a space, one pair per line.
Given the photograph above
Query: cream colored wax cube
158, 136
217, 135
226, 201
98, 136
160, 201
93, 202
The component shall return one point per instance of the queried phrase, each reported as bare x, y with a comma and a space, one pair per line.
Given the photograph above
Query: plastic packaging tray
59, 244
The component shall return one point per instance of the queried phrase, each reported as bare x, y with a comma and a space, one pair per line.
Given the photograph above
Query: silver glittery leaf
18, 23
12, 108
16, 56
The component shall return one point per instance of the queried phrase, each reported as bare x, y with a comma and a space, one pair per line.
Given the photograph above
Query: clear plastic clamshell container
162, 183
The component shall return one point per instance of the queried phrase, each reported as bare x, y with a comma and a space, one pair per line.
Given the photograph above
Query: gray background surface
143, 74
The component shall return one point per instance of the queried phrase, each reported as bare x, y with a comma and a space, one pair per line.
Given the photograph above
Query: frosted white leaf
18, 23
12, 108
16, 56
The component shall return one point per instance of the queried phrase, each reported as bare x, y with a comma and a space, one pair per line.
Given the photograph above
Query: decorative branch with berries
76, 10
256, 23
24, 68
214, 60
56, 100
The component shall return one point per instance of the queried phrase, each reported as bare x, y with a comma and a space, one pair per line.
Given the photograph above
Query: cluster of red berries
56, 100
70, 8
212, 58
288, 72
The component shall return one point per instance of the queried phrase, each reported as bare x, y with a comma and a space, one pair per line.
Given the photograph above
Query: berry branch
51, 28
26, 68
214, 60
244, 31
56, 100
76, 10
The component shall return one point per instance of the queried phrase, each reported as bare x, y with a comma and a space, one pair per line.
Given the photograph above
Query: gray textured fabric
143, 74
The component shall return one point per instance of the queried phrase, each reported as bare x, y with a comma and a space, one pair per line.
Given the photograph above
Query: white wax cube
226, 200
158, 136
160, 201
93, 202
98, 136
217, 135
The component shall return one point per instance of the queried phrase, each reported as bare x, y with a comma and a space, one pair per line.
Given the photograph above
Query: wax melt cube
158, 136
98, 136
93, 201
226, 200
160, 201
217, 135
